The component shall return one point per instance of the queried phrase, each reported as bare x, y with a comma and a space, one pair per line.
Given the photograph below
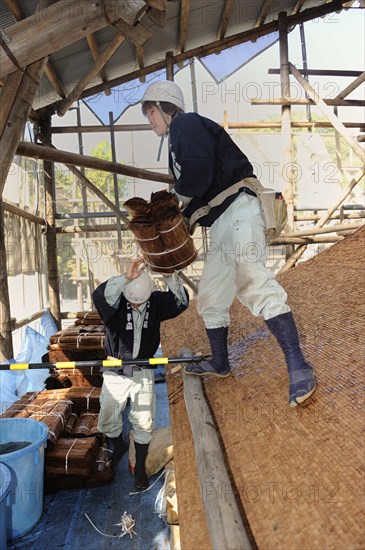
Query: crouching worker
132, 313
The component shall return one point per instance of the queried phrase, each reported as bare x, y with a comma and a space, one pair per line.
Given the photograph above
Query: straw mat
298, 474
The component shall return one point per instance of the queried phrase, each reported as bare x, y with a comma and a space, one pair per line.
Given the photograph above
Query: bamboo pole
315, 230
232, 125
359, 151
59, 25
51, 240
280, 241
6, 340
223, 517
65, 157
351, 87
286, 131
287, 101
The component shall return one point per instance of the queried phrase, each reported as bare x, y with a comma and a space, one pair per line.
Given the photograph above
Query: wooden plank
337, 124
18, 117
223, 516
34, 37
184, 23
48, 153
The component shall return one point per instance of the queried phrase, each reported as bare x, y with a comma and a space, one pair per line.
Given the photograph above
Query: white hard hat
165, 90
139, 289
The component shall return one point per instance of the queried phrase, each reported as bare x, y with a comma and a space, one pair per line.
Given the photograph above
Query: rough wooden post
224, 520
6, 342
49, 186
287, 168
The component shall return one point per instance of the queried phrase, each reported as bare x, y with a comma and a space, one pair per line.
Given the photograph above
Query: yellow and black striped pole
151, 363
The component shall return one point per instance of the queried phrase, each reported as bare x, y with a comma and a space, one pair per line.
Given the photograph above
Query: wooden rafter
221, 45
227, 12
263, 13
14, 9
140, 60
142, 34
184, 24
298, 6
95, 52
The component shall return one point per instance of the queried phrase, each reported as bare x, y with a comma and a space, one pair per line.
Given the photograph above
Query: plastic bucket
5, 478
24, 504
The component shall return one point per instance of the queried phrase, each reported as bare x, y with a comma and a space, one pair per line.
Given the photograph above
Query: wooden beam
298, 6
54, 155
14, 9
223, 517
136, 34
351, 87
8, 95
34, 37
281, 241
184, 23
158, 17
18, 116
315, 230
359, 151
220, 45
263, 13
227, 12
49, 71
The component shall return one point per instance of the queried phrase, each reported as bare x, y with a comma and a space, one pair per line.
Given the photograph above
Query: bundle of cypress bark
163, 235
86, 425
73, 456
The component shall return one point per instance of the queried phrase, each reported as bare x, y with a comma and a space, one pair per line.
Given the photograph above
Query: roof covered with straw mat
297, 473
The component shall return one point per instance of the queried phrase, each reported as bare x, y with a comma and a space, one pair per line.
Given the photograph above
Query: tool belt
273, 205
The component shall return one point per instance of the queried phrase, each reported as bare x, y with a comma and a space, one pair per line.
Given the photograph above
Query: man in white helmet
132, 313
214, 181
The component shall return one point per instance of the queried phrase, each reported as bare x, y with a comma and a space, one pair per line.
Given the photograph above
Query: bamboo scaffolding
337, 124
223, 516
300, 250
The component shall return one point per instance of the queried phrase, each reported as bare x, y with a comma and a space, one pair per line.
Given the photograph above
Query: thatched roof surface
298, 473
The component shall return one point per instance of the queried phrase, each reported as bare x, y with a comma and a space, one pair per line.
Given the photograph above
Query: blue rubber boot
218, 365
119, 446
302, 381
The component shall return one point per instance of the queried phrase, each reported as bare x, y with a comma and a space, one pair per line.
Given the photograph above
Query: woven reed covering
298, 472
